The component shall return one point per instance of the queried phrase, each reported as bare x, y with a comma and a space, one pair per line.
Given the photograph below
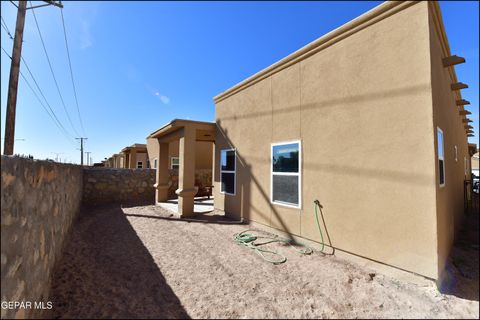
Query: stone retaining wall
39, 201
122, 186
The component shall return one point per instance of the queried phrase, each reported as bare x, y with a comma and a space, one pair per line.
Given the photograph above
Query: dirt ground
138, 263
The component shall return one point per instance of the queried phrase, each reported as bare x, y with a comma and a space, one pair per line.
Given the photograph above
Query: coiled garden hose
250, 241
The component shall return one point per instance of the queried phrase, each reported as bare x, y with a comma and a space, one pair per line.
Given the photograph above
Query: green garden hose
316, 204
250, 241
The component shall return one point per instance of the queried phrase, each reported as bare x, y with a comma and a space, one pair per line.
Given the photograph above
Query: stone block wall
122, 186
39, 201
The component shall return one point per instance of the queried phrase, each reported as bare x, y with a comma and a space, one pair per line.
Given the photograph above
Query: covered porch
187, 133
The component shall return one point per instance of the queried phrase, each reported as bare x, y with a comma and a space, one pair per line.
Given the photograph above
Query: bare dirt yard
137, 263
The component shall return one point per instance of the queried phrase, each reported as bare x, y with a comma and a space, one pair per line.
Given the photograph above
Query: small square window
139, 164
175, 163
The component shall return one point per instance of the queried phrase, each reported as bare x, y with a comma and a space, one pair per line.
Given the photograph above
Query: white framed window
155, 163
456, 153
228, 167
139, 165
174, 163
441, 158
285, 177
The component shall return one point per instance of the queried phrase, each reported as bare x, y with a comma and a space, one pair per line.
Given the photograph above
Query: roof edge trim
372, 16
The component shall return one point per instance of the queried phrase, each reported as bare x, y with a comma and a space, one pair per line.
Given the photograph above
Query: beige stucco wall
141, 156
203, 154
152, 149
362, 109
450, 198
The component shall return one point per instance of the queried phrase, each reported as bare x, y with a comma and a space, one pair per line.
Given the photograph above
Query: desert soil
135, 263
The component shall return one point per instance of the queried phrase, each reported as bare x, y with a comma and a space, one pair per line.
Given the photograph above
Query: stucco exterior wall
449, 198
203, 154
152, 150
362, 108
141, 156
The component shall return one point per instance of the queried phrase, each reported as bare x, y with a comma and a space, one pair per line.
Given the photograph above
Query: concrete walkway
200, 205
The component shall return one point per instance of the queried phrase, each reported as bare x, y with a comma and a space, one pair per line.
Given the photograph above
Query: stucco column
133, 159
163, 175
186, 173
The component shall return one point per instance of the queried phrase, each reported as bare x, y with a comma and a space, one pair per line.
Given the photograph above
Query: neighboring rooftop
175, 124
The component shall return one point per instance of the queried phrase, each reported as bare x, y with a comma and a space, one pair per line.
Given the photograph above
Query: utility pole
14, 73
88, 157
81, 149
13, 81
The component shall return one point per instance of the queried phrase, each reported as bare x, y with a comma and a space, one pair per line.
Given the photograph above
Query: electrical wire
4, 25
61, 126
71, 72
52, 115
53, 74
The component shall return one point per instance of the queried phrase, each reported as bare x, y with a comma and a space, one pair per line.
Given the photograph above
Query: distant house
203, 161
134, 156
109, 162
368, 119
118, 160
475, 164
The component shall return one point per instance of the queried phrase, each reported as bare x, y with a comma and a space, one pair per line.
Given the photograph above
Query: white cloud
86, 39
163, 98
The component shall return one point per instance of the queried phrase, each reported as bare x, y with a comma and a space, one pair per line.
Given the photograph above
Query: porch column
186, 173
163, 174
133, 159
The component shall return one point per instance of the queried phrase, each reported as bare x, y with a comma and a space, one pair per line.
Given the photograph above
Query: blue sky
137, 65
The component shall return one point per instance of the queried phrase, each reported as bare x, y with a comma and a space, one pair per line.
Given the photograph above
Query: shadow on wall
106, 272
350, 101
462, 269
245, 192
244, 188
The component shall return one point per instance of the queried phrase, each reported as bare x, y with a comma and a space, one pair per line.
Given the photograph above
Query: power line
71, 72
54, 117
4, 25
41, 93
51, 69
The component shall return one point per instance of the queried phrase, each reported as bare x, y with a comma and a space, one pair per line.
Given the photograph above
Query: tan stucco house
134, 157
168, 137
368, 120
118, 161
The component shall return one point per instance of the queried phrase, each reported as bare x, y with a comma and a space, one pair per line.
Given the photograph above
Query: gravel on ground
138, 262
